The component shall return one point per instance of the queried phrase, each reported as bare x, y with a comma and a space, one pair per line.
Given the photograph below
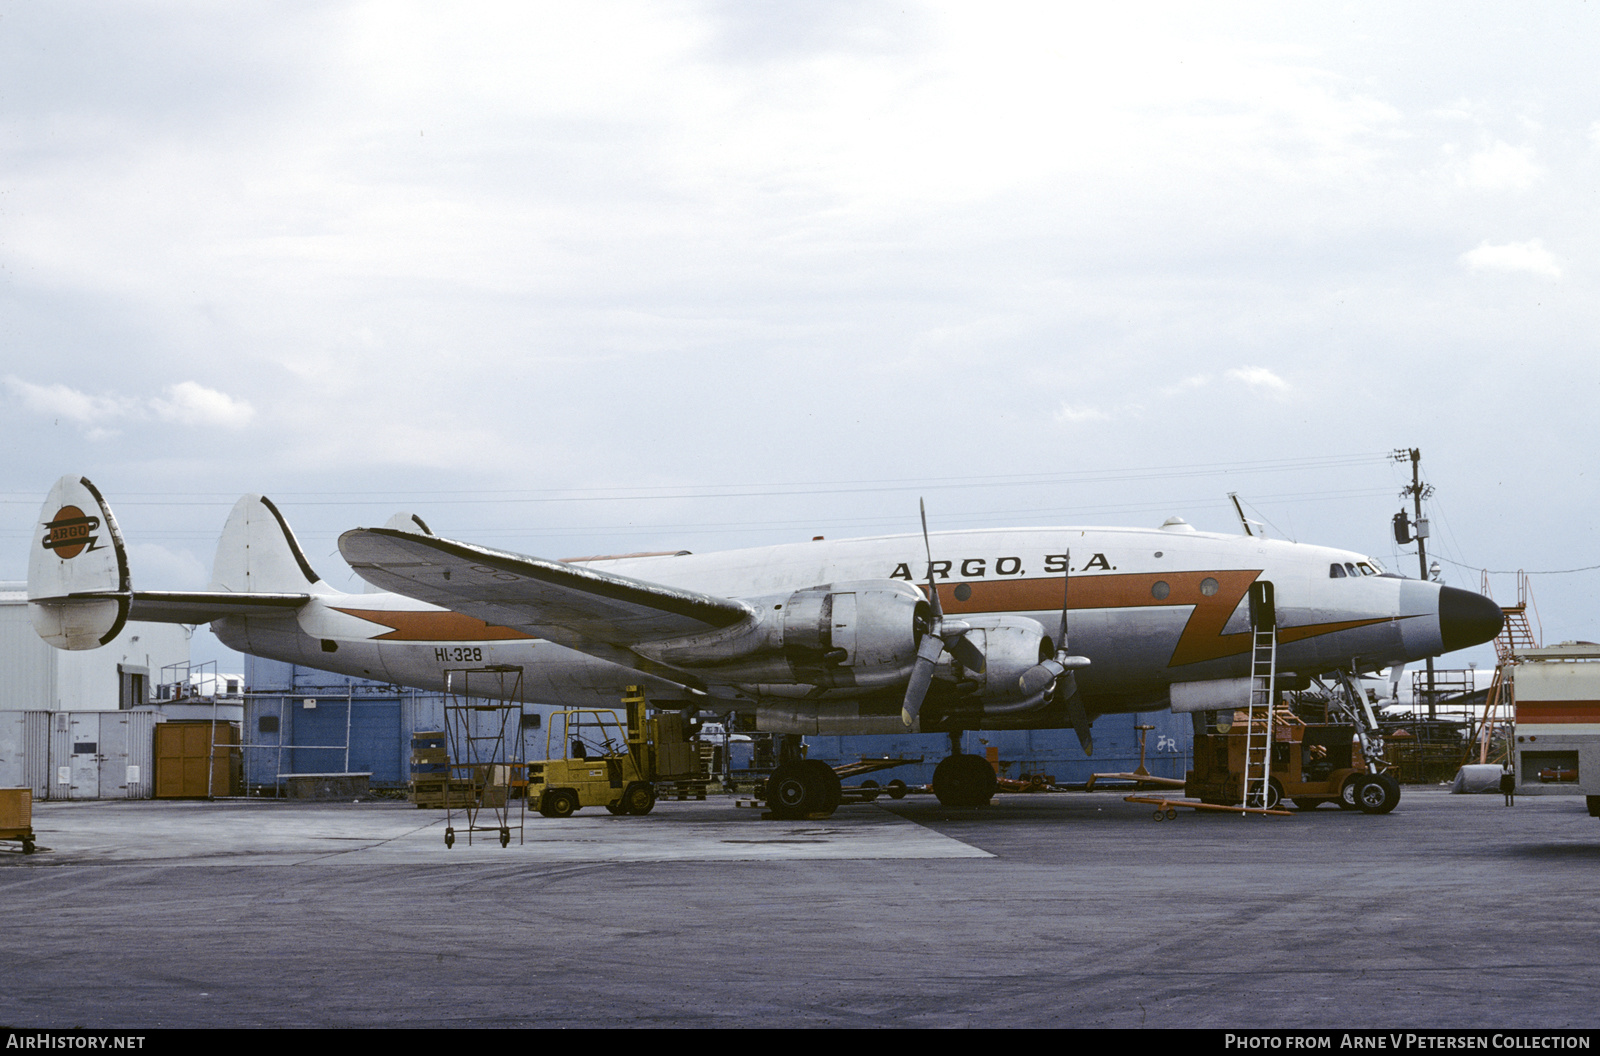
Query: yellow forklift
598, 758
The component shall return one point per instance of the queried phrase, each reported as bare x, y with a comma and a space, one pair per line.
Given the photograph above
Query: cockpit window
1366, 569
1350, 568
1335, 571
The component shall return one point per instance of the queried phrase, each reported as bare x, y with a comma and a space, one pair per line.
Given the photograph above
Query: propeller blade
966, 651
933, 590
928, 652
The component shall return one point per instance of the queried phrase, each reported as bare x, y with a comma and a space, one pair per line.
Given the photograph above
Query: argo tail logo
71, 532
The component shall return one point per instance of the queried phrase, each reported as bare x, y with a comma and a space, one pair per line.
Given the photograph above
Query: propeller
1056, 673
943, 634
1038, 678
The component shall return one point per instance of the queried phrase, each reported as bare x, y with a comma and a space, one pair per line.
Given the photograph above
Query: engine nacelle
1011, 646
859, 634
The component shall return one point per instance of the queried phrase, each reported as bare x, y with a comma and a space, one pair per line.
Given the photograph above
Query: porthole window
1208, 586
963, 591
1160, 590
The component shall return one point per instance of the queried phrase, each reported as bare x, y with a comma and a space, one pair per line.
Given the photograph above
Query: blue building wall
379, 717
1169, 749
382, 717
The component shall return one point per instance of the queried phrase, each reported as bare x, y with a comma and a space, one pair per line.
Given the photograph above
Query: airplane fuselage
1148, 607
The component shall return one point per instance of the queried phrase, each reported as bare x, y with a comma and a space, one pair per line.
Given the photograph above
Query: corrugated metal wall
78, 754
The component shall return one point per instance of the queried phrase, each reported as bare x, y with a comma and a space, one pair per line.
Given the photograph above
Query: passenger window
1335, 571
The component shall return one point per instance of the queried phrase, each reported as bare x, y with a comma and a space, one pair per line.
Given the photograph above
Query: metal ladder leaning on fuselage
1260, 718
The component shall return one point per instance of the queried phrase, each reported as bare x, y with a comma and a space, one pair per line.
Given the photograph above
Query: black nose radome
1467, 619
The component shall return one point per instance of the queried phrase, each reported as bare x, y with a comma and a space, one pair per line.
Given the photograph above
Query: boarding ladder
1260, 721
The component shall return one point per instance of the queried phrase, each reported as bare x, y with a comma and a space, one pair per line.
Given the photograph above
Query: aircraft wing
568, 604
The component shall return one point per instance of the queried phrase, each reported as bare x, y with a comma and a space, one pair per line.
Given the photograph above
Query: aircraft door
1263, 606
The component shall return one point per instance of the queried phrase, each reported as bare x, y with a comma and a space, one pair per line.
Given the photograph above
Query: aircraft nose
1467, 619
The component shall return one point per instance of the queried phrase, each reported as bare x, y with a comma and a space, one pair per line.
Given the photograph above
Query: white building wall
37, 677
27, 672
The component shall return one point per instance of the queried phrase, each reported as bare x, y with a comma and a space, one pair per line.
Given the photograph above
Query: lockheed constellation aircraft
825, 637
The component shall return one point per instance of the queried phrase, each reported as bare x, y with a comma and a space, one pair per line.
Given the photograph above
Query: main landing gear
801, 788
964, 780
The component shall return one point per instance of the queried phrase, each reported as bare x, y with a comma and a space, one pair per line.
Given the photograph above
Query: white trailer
1556, 693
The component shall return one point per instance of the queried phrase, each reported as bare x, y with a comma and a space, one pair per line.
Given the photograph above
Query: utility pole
1418, 491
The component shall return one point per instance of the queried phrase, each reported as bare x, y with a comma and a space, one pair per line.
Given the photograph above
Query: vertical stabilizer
78, 583
258, 553
409, 522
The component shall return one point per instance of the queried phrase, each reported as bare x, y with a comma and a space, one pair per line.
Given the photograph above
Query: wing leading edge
551, 599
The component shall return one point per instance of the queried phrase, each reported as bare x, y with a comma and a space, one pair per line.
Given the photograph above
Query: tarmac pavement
1041, 910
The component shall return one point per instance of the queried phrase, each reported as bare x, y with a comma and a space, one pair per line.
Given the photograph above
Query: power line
758, 490
1523, 571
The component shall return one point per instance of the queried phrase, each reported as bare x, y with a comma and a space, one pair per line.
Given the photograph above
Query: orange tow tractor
1312, 764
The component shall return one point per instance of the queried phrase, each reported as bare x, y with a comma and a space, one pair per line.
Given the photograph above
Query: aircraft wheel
822, 776
559, 803
1349, 790
798, 790
638, 798
789, 795
897, 789
1379, 795
449, 838
965, 781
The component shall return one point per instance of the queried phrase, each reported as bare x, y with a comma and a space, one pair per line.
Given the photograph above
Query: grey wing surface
568, 604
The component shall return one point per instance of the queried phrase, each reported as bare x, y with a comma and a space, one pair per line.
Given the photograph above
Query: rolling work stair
1517, 635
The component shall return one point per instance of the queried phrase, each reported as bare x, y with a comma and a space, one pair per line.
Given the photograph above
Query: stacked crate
430, 774
16, 816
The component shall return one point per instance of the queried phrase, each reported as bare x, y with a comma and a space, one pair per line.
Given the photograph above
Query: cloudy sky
572, 279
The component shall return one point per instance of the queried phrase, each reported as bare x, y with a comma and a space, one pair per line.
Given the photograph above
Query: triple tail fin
258, 554
80, 594
78, 583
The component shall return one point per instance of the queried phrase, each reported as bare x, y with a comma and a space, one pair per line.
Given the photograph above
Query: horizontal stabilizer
197, 606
